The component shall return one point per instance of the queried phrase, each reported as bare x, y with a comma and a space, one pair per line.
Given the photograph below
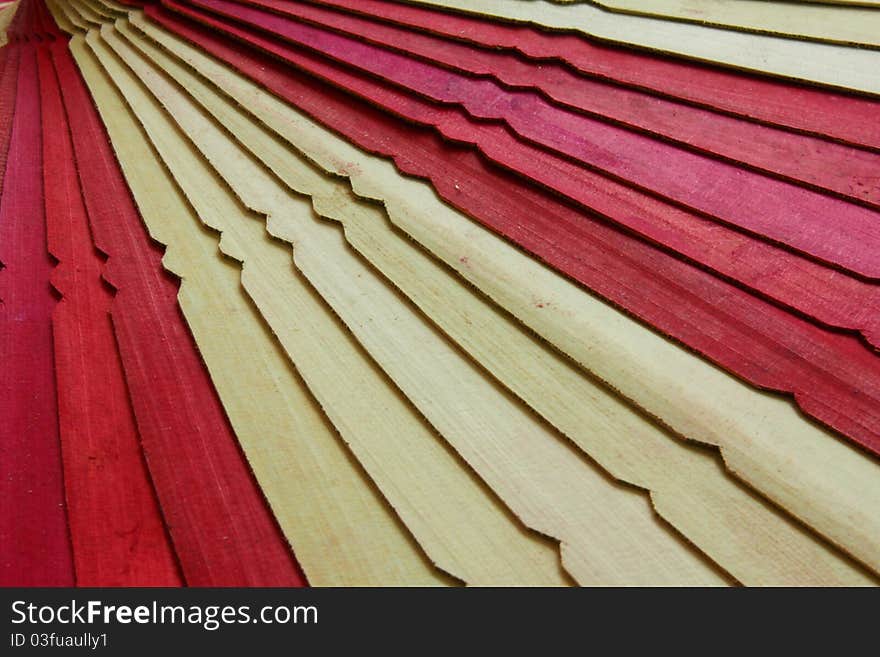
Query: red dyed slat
8, 83
4, 52
117, 530
833, 376
44, 23
819, 292
830, 166
34, 541
21, 28
827, 228
222, 530
843, 117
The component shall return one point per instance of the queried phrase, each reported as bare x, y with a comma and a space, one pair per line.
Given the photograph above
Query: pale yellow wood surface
840, 3
818, 63
343, 532
827, 484
608, 532
7, 13
108, 8
752, 541
844, 25
61, 17
792, 3
460, 524
87, 15
67, 17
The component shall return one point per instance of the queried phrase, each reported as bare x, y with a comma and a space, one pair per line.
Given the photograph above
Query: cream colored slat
828, 485
343, 532
816, 63
110, 8
107, 11
858, 26
87, 16
841, 3
459, 523
608, 532
7, 13
61, 17
752, 541
72, 20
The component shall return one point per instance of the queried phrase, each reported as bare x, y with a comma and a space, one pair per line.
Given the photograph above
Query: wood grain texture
117, 531
778, 274
461, 525
822, 227
25, 25
87, 13
819, 292
758, 341
7, 13
763, 439
222, 530
339, 531
835, 66
48, 27
843, 3
843, 117
686, 484
33, 519
559, 494
105, 10
109, 7
71, 20
7, 100
846, 171
854, 26
60, 16
8, 84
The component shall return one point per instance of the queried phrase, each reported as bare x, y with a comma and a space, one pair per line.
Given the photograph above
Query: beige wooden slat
459, 523
108, 8
817, 63
694, 494
841, 3
343, 532
67, 17
61, 17
858, 26
608, 532
828, 485
87, 16
7, 13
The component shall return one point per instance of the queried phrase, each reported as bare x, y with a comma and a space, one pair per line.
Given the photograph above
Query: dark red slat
222, 530
117, 530
847, 118
8, 82
830, 166
829, 229
828, 296
34, 541
833, 376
